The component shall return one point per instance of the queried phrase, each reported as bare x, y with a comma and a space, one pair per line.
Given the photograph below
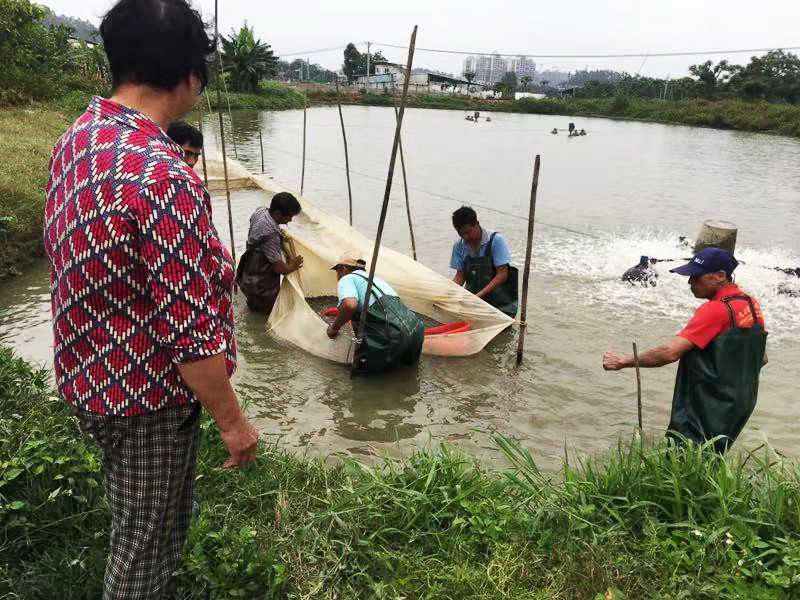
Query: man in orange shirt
721, 352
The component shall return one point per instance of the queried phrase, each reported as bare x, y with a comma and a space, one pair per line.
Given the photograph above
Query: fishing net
321, 238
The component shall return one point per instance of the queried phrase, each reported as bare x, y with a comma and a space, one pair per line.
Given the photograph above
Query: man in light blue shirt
393, 334
481, 259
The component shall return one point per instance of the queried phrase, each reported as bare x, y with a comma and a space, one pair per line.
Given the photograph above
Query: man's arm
283, 267
657, 357
208, 380
347, 309
496, 281
460, 278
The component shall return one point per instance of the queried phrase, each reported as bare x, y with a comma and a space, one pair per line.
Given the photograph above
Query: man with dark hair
481, 260
721, 352
393, 335
262, 264
189, 139
142, 291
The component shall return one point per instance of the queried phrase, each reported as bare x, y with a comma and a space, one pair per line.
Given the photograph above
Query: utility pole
368, 45
308, 70
666, 86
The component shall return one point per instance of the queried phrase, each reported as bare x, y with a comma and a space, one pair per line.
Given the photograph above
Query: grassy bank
722, 114
27, 135
644, 522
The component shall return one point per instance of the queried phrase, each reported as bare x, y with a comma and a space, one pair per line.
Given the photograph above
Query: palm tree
525, 81
246, 60
469, 76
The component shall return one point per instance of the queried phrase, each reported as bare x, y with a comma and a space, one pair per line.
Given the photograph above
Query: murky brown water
625, 189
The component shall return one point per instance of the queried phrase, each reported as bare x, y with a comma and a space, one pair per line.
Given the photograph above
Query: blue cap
708, 260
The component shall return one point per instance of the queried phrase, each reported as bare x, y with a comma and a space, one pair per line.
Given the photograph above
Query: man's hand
614, 362
332, 331
296, 262
240, 440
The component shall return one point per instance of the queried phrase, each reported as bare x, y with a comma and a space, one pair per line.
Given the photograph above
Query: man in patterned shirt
141, 291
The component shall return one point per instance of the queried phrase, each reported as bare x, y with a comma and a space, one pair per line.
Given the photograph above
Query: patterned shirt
265, 234
139, 278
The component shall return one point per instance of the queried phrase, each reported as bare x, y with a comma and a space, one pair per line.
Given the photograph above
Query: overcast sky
509, 27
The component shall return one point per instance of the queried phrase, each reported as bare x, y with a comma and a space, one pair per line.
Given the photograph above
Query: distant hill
83, 30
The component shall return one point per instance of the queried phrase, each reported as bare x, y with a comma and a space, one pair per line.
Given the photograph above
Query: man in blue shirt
481, 259
393, 334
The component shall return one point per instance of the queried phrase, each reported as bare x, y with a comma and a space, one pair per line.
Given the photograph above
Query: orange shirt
712, 318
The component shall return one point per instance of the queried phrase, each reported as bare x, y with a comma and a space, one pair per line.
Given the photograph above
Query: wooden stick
523, 324
405, 188
228, 99
303, 172
261, 143
346, 157
384, 208
203, 154
638, 385
222, 130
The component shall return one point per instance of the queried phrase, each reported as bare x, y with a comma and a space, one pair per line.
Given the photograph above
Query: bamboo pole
346, 157
203, 153
384, 208
222, 130
638, 385
405, 189
303, 172
523, 324
261, 143
228, 100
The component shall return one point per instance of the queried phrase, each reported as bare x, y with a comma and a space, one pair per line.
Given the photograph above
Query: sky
574, 27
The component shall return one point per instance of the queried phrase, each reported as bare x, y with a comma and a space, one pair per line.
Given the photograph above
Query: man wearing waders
721, 352
393, 334
481, 261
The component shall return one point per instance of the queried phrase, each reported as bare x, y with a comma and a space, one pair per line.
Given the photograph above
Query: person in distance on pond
721, 352
393, 335
142, 291
262, 264
644, 274
189, 139
481, 260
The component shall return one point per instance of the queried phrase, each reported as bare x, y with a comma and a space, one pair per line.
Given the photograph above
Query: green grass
271, 95
27, 135
645, 522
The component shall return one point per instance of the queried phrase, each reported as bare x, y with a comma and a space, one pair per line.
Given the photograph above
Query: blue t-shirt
501, 255
353, 286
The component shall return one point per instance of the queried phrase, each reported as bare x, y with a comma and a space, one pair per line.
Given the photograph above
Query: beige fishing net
321, 238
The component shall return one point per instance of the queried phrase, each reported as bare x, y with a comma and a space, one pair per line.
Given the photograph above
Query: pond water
623, 190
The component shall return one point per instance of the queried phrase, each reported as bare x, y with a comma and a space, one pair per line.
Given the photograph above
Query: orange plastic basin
459, 327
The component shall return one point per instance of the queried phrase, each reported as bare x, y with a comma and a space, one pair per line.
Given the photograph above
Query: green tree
510, 82
33, 57
246, 60
525, 81
375, 57
352, 58
470, 77
710, 77
774, 77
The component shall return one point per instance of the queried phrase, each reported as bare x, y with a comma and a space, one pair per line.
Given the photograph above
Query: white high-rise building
490, 69
522, 66
469, 65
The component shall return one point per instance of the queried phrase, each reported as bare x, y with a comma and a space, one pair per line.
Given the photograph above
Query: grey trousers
148, 474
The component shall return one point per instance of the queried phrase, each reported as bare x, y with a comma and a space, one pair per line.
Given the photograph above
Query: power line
435, 194
637, 55
317, 51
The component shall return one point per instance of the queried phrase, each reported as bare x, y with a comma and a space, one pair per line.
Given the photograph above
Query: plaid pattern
148, 473
140, 279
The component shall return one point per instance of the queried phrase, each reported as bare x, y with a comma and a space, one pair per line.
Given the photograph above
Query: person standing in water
721, 352
262, 264
393, 335
189, 139
481, 260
